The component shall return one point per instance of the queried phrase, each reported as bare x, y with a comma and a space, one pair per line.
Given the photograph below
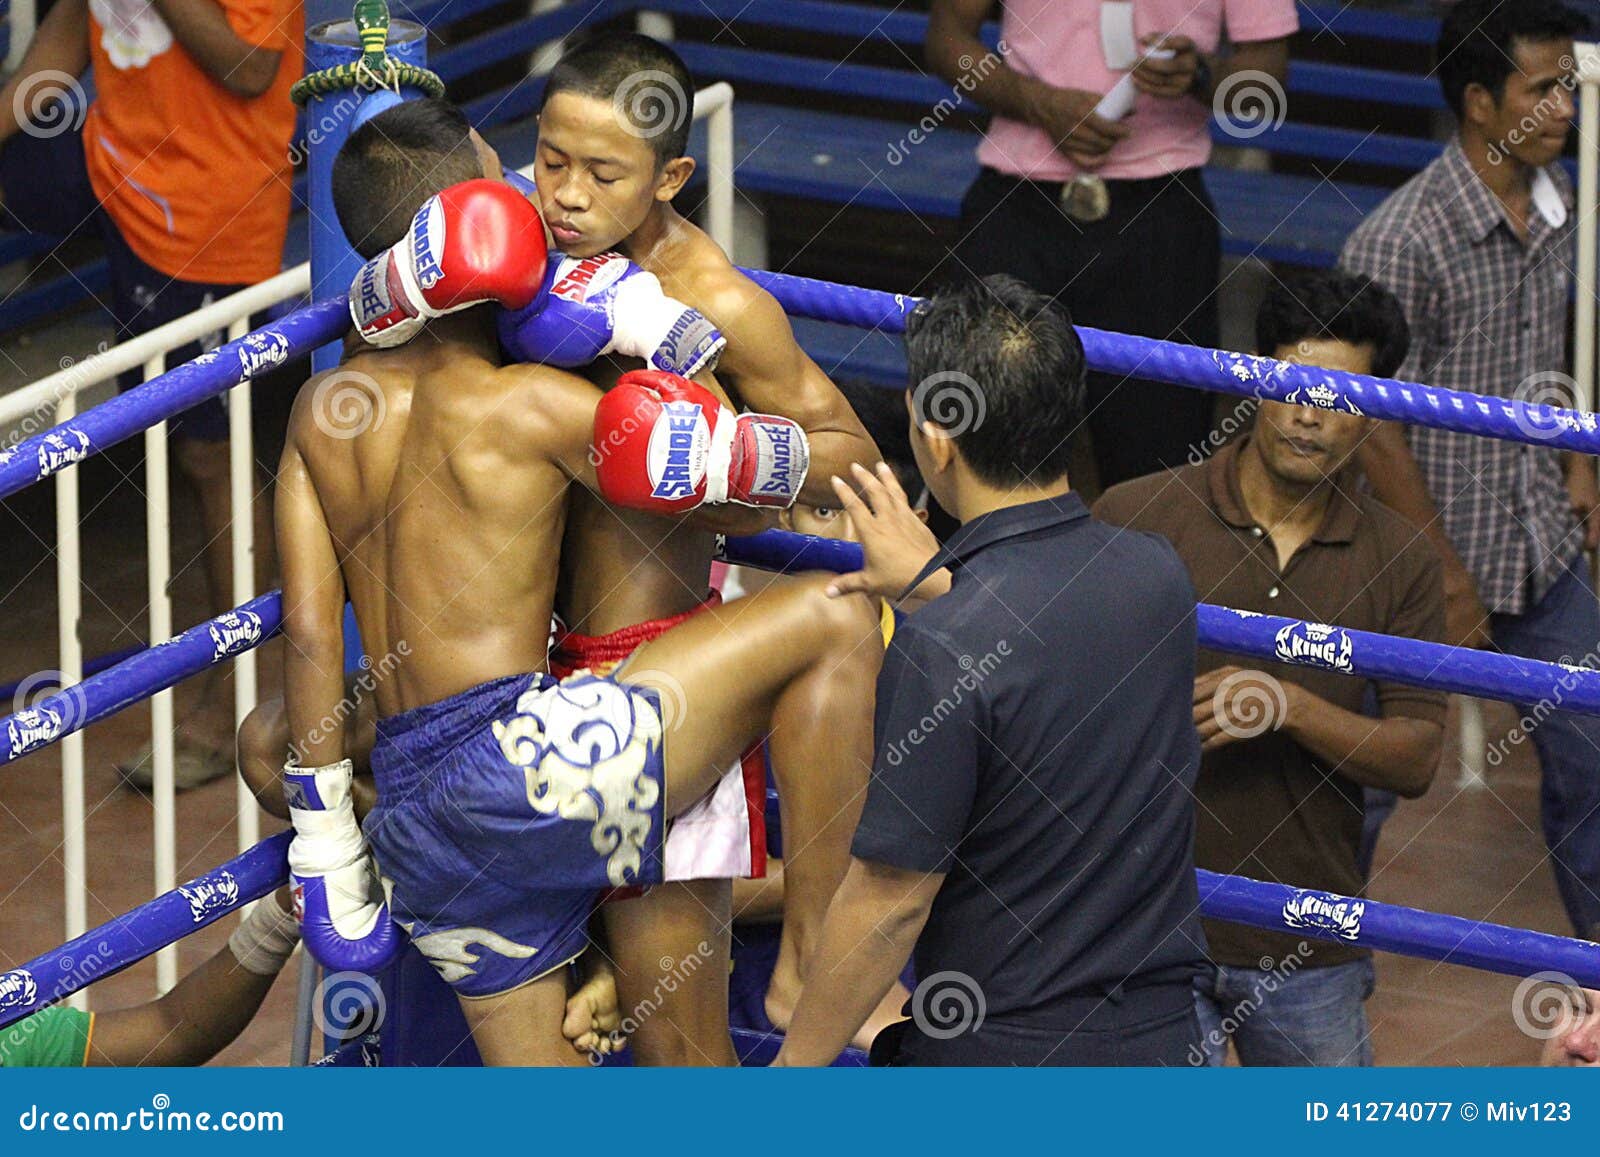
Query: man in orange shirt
181, 164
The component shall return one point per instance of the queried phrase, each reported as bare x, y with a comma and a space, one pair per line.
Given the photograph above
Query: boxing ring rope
1313, 914
1516, 952
1317, 915
155, 925
56, 395
1266, 379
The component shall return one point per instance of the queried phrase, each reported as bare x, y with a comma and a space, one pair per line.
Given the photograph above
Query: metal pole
158, 548
23, 18
242, 479
69, 619
1588, 199
719, 163
328, 120
305, 999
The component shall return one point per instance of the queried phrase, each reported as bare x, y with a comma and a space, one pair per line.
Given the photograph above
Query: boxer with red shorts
723, 835
605, 183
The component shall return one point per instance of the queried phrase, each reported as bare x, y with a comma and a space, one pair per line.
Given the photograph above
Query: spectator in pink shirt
1110, 216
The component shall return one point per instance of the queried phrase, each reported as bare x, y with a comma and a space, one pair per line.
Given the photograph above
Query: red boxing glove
476, 242
665, 444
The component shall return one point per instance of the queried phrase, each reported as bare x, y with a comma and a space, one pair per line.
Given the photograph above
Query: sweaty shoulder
699, 274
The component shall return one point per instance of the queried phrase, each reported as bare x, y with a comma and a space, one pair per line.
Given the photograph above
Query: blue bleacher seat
786, 150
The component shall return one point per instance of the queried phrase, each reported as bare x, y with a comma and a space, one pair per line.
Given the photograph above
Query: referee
1029, 826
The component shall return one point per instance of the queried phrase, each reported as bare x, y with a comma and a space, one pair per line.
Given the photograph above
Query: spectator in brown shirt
1274, 523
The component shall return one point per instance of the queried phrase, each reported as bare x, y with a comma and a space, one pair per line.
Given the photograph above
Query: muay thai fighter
506, 799
606, 179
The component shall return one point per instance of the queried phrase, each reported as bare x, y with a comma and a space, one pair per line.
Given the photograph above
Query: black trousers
1150, 1026
1149, 268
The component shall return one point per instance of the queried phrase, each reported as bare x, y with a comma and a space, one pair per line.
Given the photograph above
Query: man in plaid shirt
1479, 249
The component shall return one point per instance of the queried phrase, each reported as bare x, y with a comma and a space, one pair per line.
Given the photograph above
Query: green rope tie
374, 70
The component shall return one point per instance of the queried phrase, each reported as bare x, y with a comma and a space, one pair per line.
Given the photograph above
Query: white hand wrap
265, 939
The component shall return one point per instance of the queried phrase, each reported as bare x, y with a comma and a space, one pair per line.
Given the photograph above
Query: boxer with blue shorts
505, 810
506, 801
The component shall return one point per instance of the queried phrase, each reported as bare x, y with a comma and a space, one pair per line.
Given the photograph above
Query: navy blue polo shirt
1036, 743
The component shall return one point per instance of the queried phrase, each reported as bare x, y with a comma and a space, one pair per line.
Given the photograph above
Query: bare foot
593, 1021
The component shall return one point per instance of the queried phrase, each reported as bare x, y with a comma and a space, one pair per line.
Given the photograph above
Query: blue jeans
1564, 626
1310, 1016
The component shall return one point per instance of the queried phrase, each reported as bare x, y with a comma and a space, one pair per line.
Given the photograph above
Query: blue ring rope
140, 676
122, 942
1278, 640
1508, 419
128, 939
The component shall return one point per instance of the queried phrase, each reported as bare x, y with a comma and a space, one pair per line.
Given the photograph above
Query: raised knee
849, 623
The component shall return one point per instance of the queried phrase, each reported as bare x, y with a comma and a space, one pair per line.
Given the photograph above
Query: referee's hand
895, 542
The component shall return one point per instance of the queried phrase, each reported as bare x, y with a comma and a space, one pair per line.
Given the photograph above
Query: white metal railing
21, 18
53, 399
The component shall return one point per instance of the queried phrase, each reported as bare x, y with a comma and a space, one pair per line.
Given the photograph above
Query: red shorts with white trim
723, 835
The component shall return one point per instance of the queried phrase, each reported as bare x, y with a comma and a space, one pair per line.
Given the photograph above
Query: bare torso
622, 567
445, 524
